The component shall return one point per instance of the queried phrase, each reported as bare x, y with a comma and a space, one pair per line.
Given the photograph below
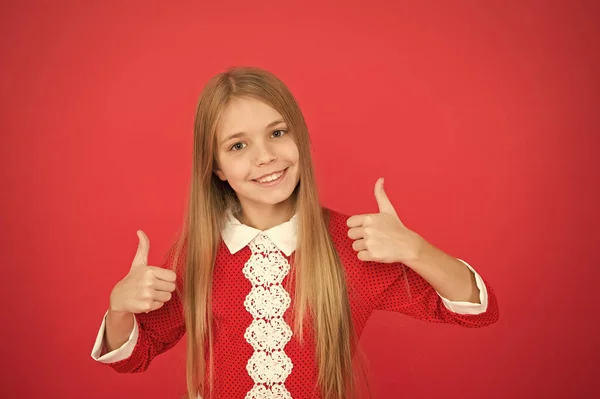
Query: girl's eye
237, 146
240, 146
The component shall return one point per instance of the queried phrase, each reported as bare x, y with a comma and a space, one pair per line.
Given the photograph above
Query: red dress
255, 355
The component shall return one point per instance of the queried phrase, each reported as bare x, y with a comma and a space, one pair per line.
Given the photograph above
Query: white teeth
269, 178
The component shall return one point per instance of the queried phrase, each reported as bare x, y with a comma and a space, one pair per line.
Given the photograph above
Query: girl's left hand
382, 237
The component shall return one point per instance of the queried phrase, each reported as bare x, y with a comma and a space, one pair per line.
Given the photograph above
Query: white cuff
462, 307
118, 354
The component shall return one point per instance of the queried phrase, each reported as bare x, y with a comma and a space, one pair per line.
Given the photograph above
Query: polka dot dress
255, 353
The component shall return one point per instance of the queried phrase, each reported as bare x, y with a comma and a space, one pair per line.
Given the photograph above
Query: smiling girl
272, 289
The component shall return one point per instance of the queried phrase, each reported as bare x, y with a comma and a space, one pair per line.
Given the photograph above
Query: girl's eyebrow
240, 134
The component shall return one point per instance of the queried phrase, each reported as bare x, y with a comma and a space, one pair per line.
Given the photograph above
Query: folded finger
166, 286
356, 232
359, 245
164, 274
161, 296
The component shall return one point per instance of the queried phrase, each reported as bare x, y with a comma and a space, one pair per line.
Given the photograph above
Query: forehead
243, 114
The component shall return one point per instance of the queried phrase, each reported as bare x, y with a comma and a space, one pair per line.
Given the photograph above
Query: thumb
383, 202
141, 256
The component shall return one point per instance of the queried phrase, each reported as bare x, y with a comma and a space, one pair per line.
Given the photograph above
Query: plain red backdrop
481, 116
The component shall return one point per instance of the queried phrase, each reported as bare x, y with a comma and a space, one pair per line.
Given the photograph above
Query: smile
271, 179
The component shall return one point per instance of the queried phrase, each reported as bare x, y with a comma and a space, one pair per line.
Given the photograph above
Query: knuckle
148, 273
147, 294
148, 280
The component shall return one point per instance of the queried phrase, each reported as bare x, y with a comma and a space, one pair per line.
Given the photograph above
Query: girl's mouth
272, 179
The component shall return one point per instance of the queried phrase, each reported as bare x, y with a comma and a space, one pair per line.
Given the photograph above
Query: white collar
237, 235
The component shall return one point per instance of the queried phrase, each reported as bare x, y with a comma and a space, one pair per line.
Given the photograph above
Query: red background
482, 117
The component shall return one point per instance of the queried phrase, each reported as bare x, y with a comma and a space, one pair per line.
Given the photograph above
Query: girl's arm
151, 334
450, 277
119, 326
145, 317
411, 275
398, 288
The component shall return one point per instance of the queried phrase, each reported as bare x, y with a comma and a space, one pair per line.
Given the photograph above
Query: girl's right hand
145, 288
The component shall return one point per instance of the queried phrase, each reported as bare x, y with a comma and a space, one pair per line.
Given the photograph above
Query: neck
265, 216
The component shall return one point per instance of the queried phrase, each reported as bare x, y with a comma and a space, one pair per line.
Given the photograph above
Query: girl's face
256, 153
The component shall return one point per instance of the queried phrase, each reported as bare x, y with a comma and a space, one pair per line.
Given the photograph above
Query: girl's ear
219, 173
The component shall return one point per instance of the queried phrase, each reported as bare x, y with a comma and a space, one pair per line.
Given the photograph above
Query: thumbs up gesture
145, 288
382, 237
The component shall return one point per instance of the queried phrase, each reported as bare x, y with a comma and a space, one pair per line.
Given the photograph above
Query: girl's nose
264, 155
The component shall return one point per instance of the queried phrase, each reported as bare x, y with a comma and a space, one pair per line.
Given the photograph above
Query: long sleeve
462, 307
397, 288
118, 354
154, 333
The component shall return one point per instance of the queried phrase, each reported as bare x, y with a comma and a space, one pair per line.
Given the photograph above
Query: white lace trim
268, 333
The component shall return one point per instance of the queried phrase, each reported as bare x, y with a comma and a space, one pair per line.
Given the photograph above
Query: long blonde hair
321, 291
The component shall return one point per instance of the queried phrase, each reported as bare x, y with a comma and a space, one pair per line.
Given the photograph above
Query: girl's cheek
242, 167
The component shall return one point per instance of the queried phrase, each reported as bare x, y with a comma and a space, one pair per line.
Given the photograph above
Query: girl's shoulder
335, 220
338, 229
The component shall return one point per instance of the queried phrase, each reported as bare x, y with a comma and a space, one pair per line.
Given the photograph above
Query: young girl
272, 289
